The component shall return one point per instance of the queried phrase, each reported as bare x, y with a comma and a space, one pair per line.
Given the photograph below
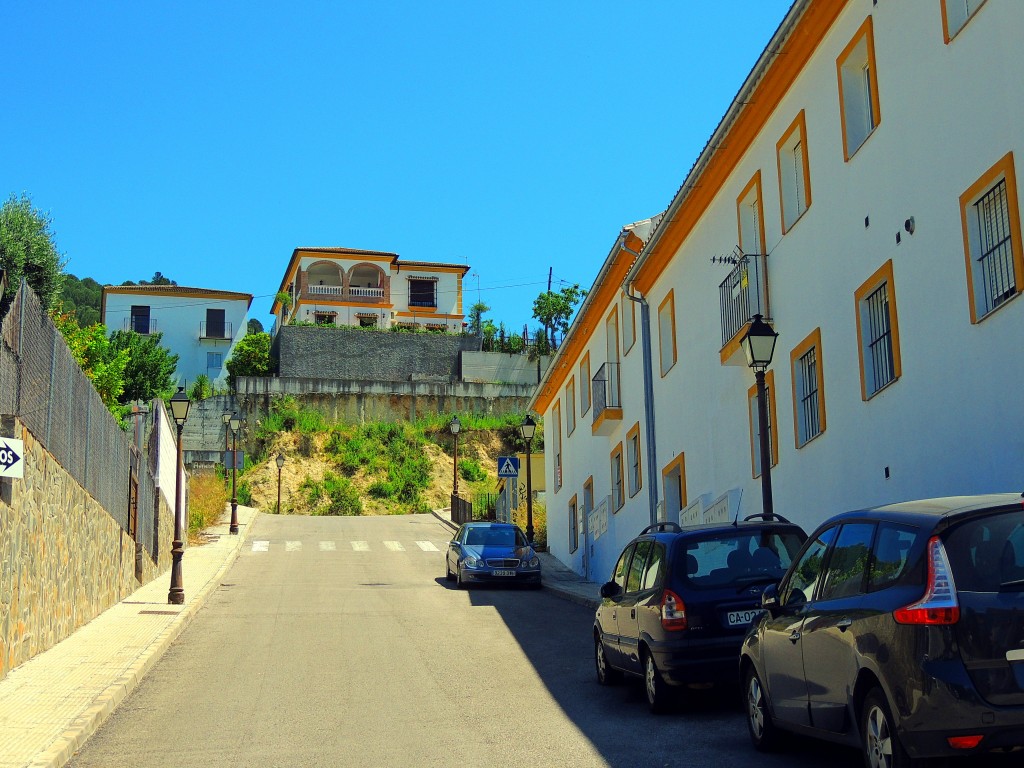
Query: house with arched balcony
345, 286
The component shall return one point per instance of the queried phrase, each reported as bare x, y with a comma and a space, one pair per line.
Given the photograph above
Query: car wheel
606, 674
881, 745
459, 583
763, 733
658, 694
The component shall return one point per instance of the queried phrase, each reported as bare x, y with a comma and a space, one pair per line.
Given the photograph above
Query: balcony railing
324, 290
143, 325
367, 293
209, 330
605, 389
743, 294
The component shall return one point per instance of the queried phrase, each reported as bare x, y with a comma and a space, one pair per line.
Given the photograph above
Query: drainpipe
645, 341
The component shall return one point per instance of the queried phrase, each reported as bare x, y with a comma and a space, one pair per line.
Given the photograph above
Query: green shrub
471, 471
244, 495
334, 495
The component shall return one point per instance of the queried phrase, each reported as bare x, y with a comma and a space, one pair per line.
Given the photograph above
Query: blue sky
208, 140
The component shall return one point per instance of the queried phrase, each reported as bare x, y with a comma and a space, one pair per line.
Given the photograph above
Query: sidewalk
557, 578
52, 703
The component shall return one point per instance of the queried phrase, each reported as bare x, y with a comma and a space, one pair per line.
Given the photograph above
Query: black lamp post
179, 412
235, 423
455, 426
759, 346
528, 429
280, 466
226, 418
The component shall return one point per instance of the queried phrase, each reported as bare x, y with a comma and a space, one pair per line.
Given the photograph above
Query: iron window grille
809, 418
995, 260
879, 342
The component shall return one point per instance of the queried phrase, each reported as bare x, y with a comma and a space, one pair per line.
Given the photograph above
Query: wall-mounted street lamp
236, 424
759, 346
528, 429
179, 412
280, 466
455, 426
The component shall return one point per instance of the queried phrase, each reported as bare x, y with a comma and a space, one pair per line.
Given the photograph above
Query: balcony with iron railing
215, 330
142, 325
606, 399
743, 294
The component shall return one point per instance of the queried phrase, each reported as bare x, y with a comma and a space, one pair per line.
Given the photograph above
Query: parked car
899, 629
681, 599
494, 553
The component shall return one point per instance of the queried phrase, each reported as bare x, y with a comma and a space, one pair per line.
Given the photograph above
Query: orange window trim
616, 459
635, 433
946, 36
798, 125
882, 275
1003, 168
753, 184
670, 301
680, 462
866, 29
755, 447
570, 406
632, 323
813, 340
585, 382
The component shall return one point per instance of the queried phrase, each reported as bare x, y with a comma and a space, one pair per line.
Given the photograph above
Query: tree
555, 310
149, 372
476, 313
27, 250
251, 357
254, 326
81, 298
158, 279
92, 351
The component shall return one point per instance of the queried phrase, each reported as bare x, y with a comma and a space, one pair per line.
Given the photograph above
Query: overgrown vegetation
334, 495
392, 453
471, 471
207, 497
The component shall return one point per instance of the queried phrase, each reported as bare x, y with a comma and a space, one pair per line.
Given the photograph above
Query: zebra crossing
288, 545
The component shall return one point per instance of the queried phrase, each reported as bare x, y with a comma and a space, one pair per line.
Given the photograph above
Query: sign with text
11, 452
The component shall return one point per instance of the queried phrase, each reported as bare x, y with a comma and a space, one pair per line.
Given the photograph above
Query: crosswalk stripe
292, 546
327, 546
427, 546
361, 546
260, 546
394, 546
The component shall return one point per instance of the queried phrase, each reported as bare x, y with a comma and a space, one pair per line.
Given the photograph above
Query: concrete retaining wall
498, 366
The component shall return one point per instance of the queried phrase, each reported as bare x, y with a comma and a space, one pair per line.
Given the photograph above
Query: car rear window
733, 559
987, 553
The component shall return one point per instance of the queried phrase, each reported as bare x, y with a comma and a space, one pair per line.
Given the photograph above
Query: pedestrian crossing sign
508, 466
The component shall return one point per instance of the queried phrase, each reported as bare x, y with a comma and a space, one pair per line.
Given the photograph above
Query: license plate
503, 573
736, 618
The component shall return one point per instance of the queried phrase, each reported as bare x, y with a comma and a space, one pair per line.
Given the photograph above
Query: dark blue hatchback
681, 600
492, 552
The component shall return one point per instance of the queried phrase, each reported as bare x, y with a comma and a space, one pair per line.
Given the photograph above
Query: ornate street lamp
528, 429
236, 424
759, 346
226, 418
455, 426
280, 466
179, 412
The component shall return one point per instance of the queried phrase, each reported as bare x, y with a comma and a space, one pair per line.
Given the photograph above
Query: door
628, 626
608, 611
782, 650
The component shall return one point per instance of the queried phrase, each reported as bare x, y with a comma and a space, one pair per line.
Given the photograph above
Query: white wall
951, 424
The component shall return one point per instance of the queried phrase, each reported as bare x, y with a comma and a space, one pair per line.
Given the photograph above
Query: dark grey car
899, 629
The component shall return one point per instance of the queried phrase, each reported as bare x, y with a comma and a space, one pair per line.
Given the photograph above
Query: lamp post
235, 423
759, 346
528, 429
226, 418
179, 412
280, 466
455, 426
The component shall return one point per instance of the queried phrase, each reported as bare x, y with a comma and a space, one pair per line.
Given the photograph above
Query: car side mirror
770, 598
610, 589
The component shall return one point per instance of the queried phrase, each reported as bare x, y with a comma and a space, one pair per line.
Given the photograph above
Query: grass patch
334, 495
471, 471
207, 498
540, 521
286, 415
507, 427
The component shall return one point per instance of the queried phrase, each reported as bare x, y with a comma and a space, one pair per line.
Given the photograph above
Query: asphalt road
337, 642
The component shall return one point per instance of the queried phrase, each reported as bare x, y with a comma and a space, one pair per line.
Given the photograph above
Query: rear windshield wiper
1016, 585
748, 582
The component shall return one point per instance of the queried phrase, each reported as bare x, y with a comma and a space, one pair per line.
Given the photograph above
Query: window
890, 556
570, 406
422, 292
585, 384
367, 321
808, 389
611, 328
619, 574
320, 318
667, 332
806, 574
992, 239
633, 478
750, 214
673, 481
654, 568
636, 567
588, 495
215, 326
574, 531
878, 335
628, 324
794, 172
859, 108
618, 496
214, 360
755, 430
556, 441
140, 319
848, 563
956, 14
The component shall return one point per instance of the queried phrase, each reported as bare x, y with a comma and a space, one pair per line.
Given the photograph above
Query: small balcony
208, 330
142, 325
606, 401
366, 294
743, 294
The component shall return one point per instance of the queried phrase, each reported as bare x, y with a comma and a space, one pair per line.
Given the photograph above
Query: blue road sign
238, 459
508, 466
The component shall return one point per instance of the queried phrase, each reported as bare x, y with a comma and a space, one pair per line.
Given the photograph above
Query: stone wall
63, 558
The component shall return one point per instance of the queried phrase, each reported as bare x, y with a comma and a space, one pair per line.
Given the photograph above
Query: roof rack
665, 525
768, 519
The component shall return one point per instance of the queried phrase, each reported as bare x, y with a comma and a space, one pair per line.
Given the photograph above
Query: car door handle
794, 636
844, 624
632, 613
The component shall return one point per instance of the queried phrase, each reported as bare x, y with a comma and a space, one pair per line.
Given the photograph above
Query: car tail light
964, 742
939, 604
673, 611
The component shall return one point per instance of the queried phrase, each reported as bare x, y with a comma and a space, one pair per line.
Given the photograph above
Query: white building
199, 325
344, 286
861, 194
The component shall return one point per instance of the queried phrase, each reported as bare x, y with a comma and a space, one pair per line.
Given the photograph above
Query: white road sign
11, 453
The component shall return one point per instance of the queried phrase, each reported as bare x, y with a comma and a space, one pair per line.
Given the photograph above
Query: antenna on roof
739, 504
